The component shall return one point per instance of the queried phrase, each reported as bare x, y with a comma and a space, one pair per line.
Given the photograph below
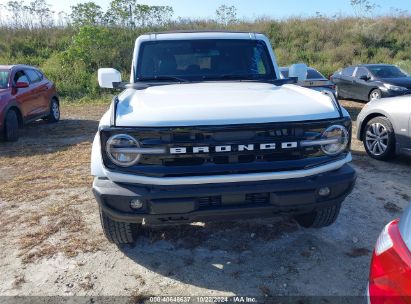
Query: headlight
394, 87
122, 150
338, 137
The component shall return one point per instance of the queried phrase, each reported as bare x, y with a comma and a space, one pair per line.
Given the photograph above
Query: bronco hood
221, 103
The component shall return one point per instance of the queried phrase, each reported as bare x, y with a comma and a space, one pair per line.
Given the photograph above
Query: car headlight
122, 150
394, 87
337, 137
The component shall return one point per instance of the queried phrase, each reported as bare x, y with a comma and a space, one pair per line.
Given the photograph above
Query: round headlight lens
341, 137
119, 149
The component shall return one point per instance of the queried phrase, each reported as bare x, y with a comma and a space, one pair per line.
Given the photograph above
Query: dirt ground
51, 241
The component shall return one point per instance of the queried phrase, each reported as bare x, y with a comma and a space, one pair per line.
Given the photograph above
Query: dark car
371, 81
315, 80
25, 95
385, 127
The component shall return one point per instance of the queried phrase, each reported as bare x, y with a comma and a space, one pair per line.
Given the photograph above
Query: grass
46, 189
69, 56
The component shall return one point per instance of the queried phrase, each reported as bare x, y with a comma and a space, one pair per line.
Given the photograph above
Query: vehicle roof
201, 34
287, 68
9, 67
374, 64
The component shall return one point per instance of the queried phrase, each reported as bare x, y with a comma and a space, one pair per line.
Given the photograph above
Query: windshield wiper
163, 77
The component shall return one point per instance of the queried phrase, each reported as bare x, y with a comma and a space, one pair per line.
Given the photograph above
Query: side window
34, 77
20, 76
41, 76
284, 73
361, 72
348, 71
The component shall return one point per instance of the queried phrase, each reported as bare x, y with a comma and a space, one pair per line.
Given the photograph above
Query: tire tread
11, 118
319, 218
118, 232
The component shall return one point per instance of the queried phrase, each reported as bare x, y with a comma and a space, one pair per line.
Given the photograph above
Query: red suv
25, 95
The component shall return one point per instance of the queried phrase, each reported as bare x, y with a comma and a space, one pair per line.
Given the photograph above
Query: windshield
4, 79
386, 71
311, 73
314, 74
186, 60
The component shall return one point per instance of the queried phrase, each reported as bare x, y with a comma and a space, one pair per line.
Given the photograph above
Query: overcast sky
250, 8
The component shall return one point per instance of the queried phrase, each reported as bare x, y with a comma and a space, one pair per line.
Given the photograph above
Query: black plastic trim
180, 202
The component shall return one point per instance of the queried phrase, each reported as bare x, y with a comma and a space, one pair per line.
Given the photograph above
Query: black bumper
193, 203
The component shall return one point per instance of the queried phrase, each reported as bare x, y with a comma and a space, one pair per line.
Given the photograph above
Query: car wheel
54, 115
119, 232
374, 95
318, 218
379, 138
11, 126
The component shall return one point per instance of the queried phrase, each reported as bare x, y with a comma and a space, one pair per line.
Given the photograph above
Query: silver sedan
384, 126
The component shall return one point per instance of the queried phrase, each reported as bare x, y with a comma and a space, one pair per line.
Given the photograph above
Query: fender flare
371, 116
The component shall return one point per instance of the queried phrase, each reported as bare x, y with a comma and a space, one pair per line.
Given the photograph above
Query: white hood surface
221, 103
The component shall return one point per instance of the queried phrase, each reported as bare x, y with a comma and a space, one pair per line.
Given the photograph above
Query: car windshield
311, 73
314, 74
387, 71
4, 79
192, 60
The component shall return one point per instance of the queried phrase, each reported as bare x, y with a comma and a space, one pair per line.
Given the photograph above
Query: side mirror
107, 78
364, 77
21, 85
298, 70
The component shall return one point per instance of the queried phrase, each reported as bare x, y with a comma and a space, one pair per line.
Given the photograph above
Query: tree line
71, 51
36, 14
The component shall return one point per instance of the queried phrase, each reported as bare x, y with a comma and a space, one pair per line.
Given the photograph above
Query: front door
25, 98
346, 82
362, 88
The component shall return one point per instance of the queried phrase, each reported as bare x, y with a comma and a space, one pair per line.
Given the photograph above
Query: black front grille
257, 198
219, 163
210, 202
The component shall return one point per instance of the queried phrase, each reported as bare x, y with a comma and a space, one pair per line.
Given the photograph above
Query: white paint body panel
107, 76
221, 103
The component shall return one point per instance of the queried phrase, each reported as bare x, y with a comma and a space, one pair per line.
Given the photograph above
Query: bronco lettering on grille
229, 148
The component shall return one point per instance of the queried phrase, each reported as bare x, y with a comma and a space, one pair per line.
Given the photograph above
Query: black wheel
319, 218
11, 126
379, 138
54, 115
119, 232
374, 95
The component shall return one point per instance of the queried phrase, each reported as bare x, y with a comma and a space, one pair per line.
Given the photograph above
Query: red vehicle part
390, 275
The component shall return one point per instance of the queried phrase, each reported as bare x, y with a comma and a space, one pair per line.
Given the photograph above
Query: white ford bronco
207, 129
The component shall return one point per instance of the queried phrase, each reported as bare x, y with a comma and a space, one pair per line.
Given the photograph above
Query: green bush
71, 56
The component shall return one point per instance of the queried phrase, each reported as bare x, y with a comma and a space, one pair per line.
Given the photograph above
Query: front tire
379, 138
54, 115
11, 126
319, 218
119, 232
375, 95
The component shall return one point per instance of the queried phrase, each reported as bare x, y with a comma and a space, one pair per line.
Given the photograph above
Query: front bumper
179, 204
392, 93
